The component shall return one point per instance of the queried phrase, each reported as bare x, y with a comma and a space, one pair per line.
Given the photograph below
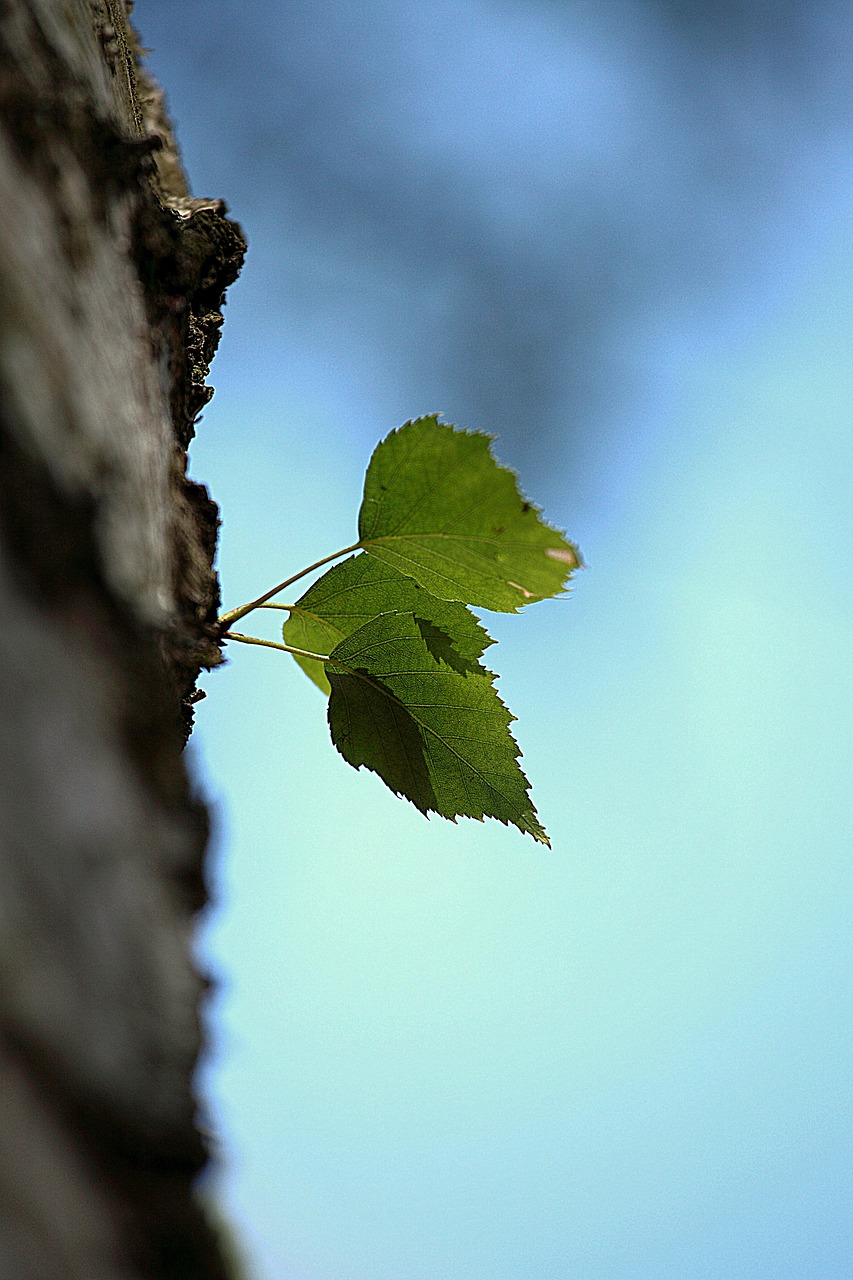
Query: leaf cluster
389, 636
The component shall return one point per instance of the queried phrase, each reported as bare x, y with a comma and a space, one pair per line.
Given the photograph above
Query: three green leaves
387, 634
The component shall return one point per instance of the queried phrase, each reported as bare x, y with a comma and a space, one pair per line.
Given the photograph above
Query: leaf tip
530, 824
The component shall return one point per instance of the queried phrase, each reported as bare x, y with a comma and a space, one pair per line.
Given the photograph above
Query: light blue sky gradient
442, 1051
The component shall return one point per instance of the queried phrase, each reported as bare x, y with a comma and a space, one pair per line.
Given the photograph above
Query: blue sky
620, 238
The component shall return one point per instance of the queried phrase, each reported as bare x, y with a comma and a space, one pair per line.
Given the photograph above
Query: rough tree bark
111, 286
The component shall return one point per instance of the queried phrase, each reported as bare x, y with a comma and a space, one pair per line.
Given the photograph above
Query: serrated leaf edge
532, 826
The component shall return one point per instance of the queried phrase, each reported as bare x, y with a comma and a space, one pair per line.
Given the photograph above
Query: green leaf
359, 588
439, 508
434, 735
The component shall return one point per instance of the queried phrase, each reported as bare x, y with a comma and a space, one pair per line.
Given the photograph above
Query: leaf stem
234, 614
270, 644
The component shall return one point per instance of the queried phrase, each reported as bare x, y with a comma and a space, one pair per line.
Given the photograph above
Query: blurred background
618, 236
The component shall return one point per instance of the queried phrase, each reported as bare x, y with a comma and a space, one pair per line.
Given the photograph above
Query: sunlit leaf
439, 508
437, 736
359, 588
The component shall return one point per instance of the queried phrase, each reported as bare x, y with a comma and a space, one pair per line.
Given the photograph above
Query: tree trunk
111, 286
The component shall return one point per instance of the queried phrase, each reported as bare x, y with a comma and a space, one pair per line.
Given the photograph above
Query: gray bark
111, 285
